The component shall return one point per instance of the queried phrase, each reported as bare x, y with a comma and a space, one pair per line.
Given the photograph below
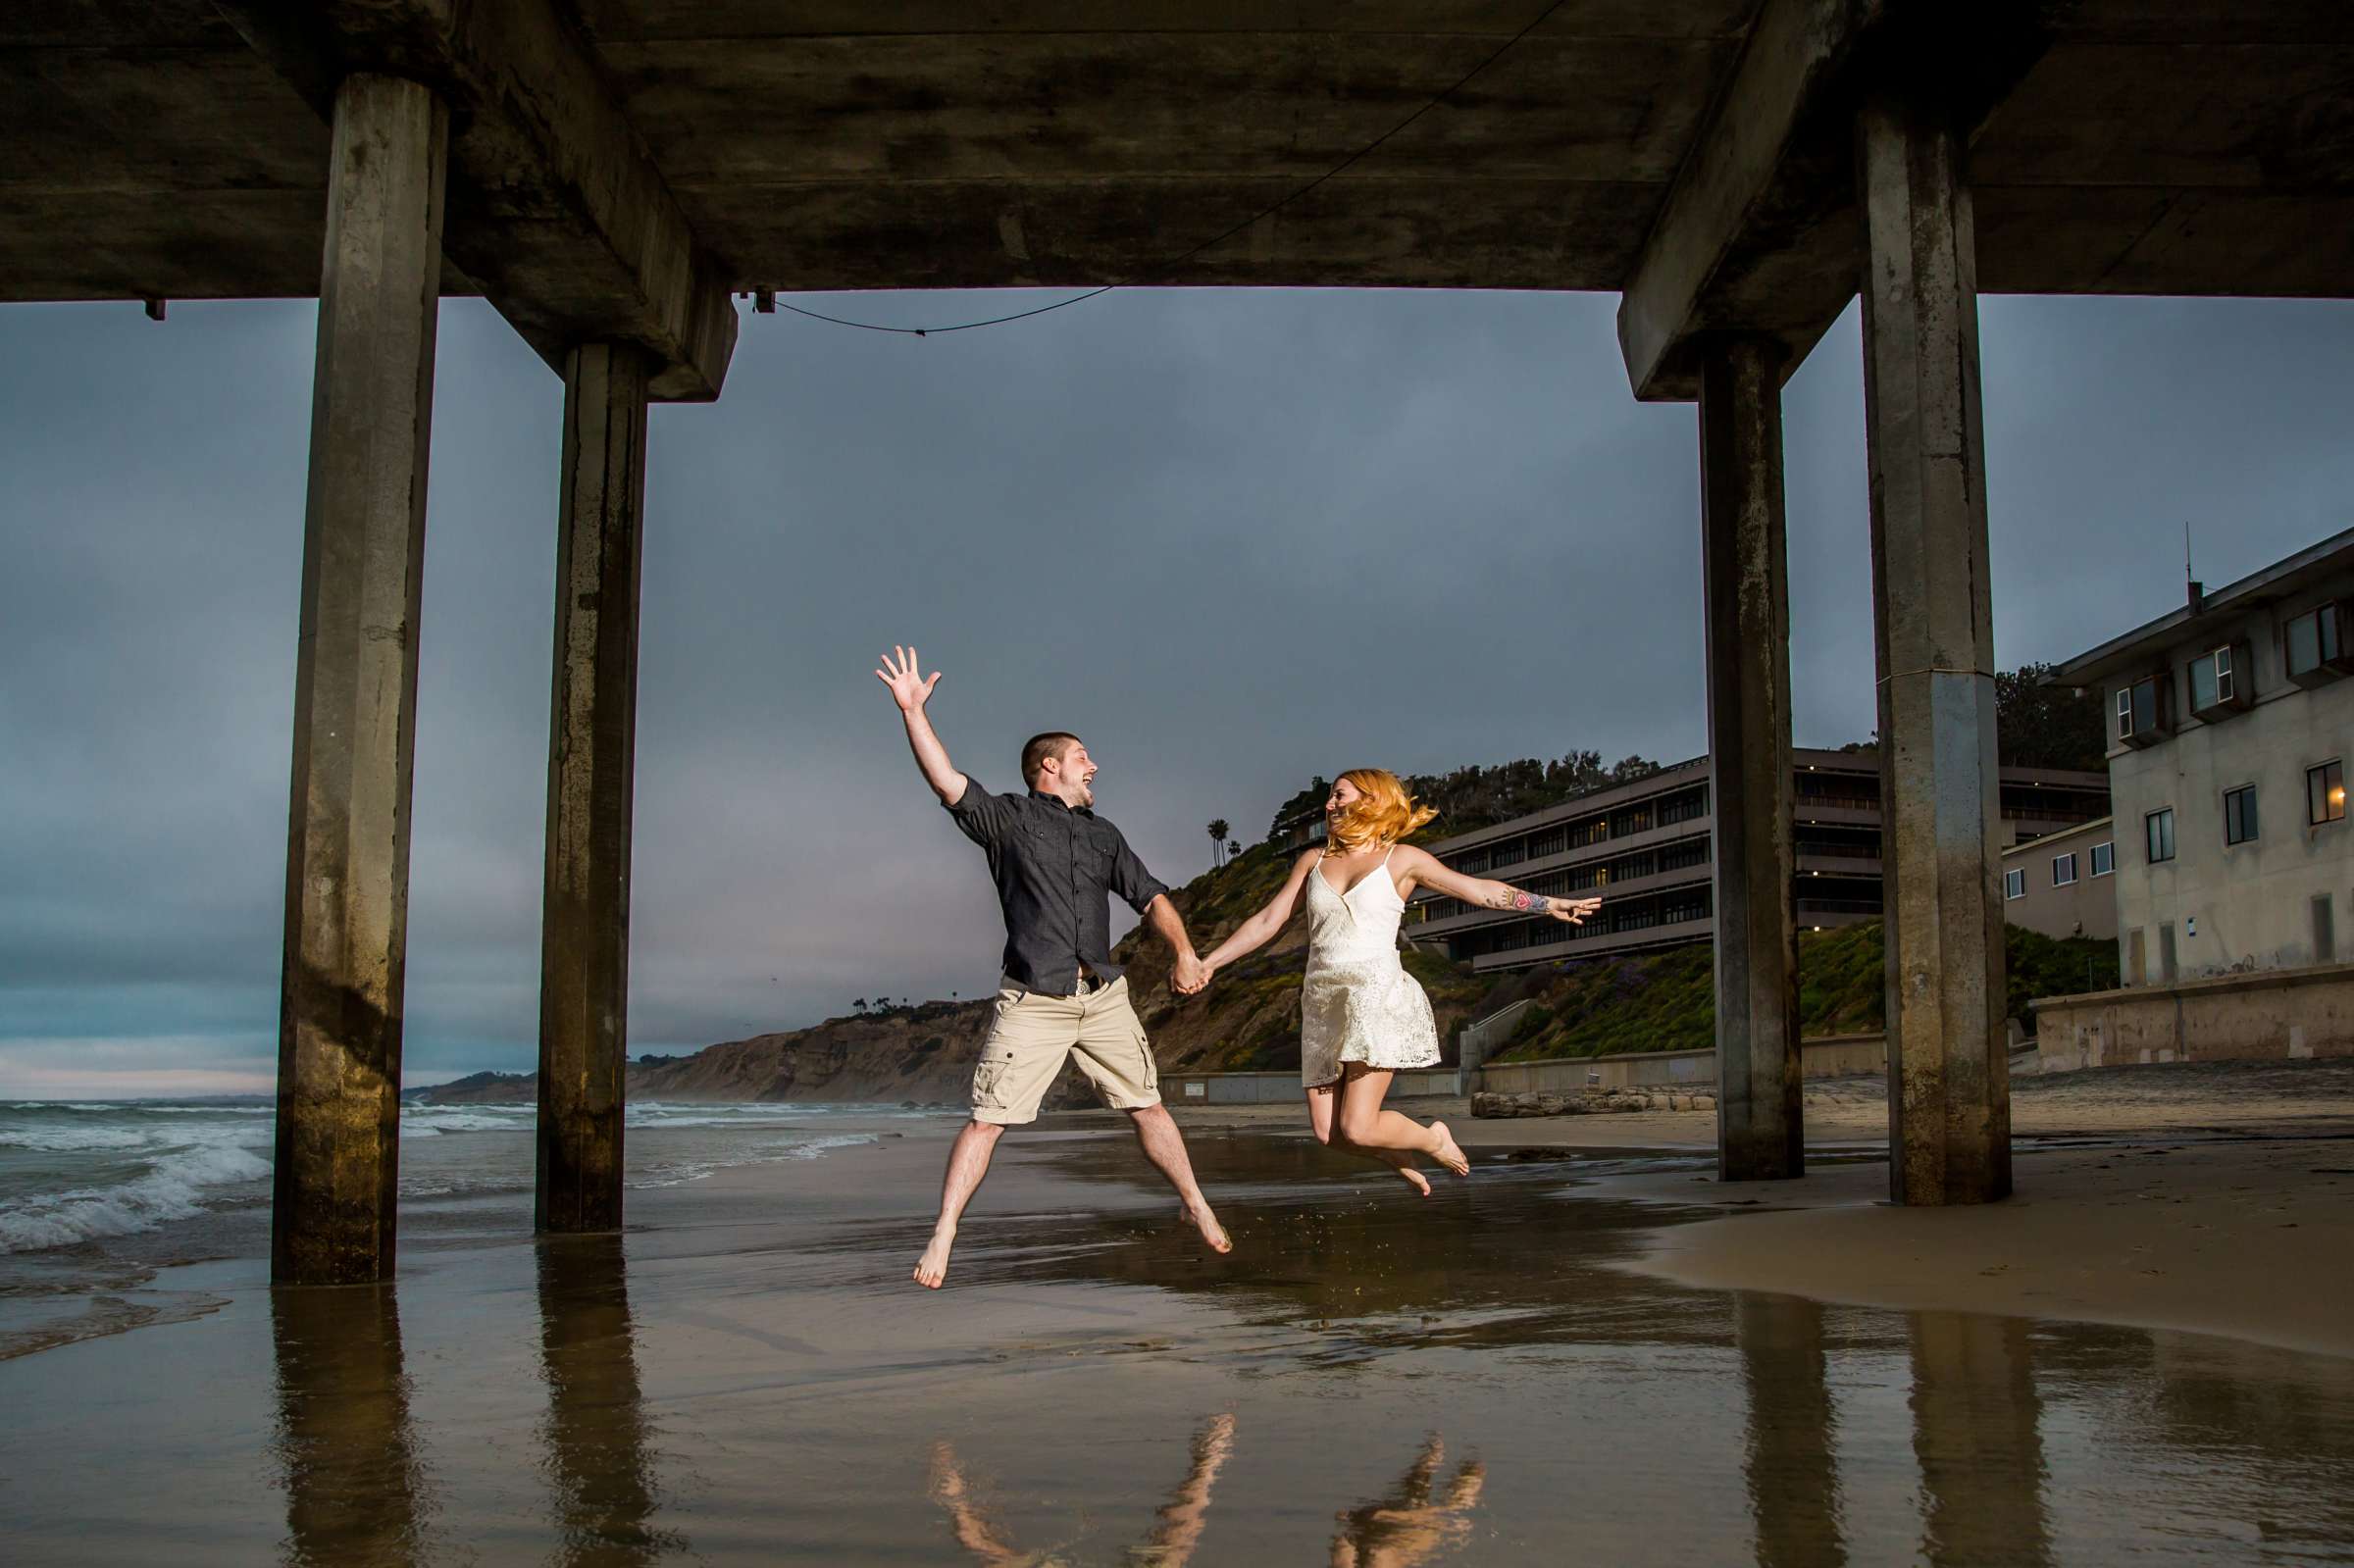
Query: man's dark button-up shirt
1055, 867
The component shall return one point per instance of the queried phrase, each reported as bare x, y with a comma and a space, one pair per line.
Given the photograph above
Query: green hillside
1667, 1001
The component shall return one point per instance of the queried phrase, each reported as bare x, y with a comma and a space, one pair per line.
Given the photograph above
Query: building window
1684, 807
2316, 644
2104, 858
2158, 833
2064, 871
2015, 885
2145, 710
2239, 813
2218, 682
2324, 793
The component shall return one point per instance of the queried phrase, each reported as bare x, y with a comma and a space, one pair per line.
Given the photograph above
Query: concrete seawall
2270, 1014
1832, 1056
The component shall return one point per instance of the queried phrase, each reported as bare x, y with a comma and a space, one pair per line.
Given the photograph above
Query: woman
1362, 1015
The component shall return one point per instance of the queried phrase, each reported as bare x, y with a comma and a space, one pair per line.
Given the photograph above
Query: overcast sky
1232, 538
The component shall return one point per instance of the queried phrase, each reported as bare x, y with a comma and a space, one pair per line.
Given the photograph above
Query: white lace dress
1358, 1003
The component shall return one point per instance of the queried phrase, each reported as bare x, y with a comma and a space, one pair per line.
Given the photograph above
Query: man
1055, 863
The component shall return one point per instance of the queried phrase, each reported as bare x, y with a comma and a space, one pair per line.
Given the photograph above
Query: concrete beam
558, 213
1755, 234
355, 690
1746, 605
1949, 1114
585, 930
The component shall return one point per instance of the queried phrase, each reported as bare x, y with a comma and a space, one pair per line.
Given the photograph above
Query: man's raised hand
904, 677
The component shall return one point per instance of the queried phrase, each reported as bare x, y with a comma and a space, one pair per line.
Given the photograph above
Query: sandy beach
2215, 1198
1575, 1354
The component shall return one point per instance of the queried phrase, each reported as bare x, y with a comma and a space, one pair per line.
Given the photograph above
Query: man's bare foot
933, 1267
1414, 1179
1212, 1231
1446, 1153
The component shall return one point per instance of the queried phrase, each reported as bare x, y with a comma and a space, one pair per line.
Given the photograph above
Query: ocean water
100, 1182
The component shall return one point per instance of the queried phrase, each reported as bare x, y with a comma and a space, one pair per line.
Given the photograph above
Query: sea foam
167, 1191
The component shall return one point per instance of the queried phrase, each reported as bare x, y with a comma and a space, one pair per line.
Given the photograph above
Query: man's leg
1157, 1130
968, 1162
1117, 1059
1025, 1048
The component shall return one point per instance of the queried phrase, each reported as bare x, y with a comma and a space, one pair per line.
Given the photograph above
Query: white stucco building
2230, 725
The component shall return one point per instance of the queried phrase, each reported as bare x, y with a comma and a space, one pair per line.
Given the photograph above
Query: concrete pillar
357, 1487
599, 1454
355, 689
1790, 1453
1977, 1436
585, 933
1746, 598
1949, 1097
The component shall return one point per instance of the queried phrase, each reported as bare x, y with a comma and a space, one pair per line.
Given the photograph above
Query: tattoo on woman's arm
1514, 899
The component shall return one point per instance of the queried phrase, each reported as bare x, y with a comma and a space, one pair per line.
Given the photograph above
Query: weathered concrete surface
355, 691
1745, 607
1949, 1106
584, 927
563, 221
2189, 147
1758, 234
2274, 1015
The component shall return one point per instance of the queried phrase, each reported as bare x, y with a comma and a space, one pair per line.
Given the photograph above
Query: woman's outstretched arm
1421, 868
1260, 929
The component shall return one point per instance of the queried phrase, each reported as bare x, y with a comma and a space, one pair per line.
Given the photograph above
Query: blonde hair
1382, 813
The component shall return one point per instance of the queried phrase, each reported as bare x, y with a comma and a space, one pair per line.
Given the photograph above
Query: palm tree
1217, 839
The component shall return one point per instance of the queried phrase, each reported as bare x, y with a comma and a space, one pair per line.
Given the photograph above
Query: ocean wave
686, 1171
430, 1120
77, 1139
167, 1191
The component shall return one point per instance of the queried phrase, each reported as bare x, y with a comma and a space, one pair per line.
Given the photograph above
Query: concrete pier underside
615, 169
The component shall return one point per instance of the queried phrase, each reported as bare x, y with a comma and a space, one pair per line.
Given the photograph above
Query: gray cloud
1233, 539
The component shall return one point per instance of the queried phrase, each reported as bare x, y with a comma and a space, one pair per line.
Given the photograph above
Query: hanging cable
1216, 239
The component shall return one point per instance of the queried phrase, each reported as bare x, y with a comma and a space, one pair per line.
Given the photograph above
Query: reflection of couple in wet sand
1403, 1528
1057, 863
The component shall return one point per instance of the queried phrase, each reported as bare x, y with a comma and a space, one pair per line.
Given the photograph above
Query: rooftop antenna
2197, 589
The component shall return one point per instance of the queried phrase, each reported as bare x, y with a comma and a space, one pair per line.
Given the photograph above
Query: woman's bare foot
1446, 1153
1213, 1232
1414, 1179
933, 1267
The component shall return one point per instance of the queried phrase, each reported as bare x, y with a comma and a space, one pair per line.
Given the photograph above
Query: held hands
904, 677
1573, 910
1190, 975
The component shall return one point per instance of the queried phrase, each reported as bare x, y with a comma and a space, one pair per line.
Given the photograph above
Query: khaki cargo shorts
1034, 1033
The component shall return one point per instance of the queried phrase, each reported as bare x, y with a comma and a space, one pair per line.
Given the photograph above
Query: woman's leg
1323, 1108
1364, 1123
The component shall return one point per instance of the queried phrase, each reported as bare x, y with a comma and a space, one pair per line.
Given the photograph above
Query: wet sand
2215, 1197
1483, 1377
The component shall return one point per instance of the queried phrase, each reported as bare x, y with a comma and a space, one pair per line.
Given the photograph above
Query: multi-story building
1646, 848
2231, 723
2060, 883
